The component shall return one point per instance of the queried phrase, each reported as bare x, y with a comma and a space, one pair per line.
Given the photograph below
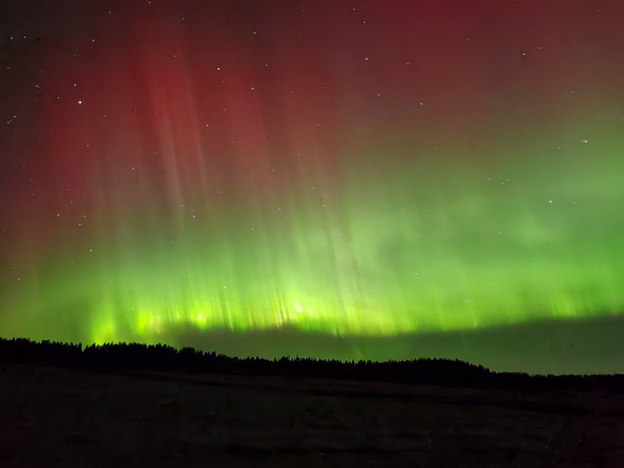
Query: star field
365, 170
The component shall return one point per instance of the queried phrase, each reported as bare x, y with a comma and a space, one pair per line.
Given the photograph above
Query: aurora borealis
364, 170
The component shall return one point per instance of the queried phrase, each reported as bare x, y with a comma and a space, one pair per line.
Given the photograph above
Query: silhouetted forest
141, 357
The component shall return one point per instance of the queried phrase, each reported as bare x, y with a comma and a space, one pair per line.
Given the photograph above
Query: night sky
325, 178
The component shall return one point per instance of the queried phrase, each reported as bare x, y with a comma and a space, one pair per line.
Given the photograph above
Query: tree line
161, 357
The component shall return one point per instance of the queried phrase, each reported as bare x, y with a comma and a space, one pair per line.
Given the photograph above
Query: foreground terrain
52, 416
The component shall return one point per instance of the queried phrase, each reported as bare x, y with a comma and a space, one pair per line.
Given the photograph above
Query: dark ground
52, 416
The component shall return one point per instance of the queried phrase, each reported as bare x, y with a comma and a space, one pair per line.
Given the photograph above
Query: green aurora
318, 180
395, 251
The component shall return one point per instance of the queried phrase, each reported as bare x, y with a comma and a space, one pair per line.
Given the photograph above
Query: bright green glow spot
443, 242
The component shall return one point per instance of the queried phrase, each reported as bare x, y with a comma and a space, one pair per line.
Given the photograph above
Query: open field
72, 417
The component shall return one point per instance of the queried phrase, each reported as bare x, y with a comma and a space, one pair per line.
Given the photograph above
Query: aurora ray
211, 166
